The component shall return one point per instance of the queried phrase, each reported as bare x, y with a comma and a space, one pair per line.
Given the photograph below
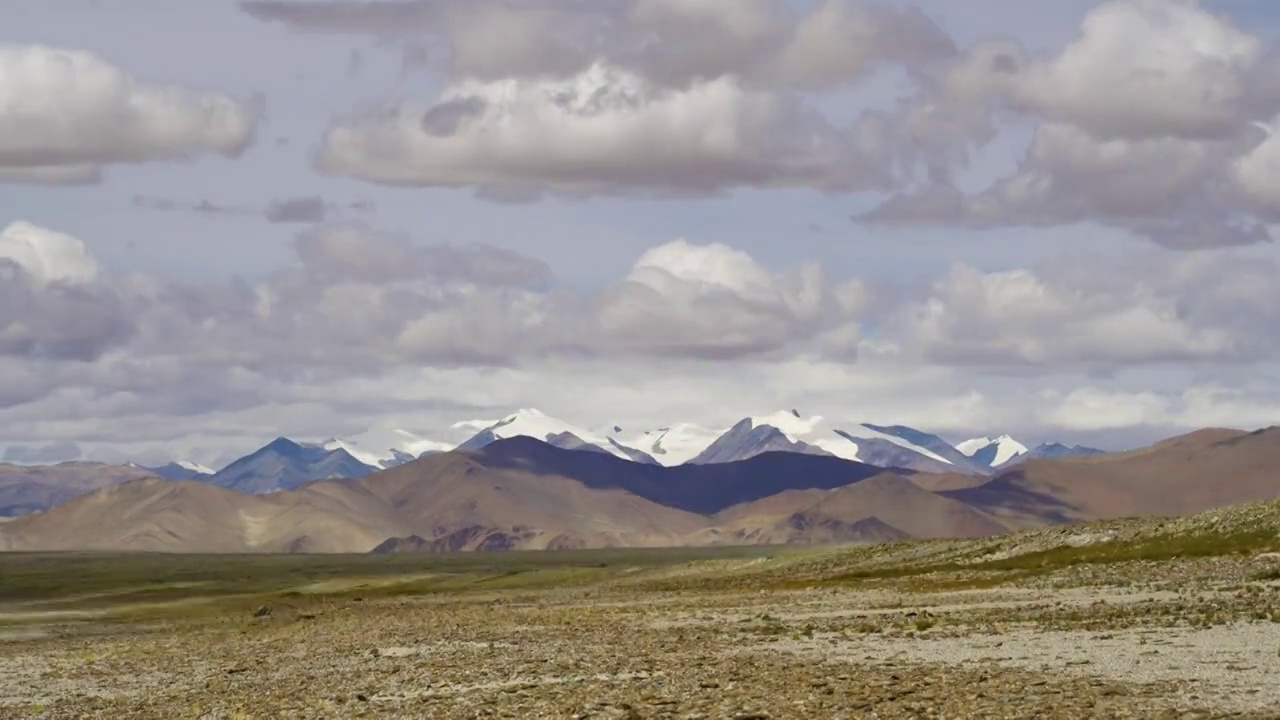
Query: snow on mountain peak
790, 424
531, 422
367, 458
385, 447
993, 452
672, 444
194, 467
866, 431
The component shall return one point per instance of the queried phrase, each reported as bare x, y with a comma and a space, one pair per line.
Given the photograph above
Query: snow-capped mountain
992, 452
910, 439
888, 446
1057, 450
530, 422
1004, 451
671, 445
179, 470
285, 463
387, 447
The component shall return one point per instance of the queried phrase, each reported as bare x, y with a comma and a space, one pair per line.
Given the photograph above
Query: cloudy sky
225, 221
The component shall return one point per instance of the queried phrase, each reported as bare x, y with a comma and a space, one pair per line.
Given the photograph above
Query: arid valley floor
1131, 618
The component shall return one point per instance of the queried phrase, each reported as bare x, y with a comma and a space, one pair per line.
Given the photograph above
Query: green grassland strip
1155, 548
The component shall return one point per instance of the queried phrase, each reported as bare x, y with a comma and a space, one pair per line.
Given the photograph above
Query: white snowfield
184, 464
670, 445
368, 458
531, 422
194, 467
673, 445
838, 439
378, 447
1006, 448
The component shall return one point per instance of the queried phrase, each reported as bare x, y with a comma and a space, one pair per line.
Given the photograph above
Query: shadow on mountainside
1008, 494
703, 489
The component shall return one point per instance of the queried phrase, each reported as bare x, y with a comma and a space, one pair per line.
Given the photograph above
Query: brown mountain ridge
524, 494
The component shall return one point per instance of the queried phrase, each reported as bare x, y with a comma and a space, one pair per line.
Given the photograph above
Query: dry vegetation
1172, 618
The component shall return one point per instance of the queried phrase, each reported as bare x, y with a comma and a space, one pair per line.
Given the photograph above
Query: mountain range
680, 443
285, 464
525, 493
25, 489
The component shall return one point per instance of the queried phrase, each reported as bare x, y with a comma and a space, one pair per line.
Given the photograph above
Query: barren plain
1176, 618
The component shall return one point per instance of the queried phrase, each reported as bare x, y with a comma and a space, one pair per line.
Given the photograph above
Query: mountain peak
993, 452
533, 423
194, 467
282, 444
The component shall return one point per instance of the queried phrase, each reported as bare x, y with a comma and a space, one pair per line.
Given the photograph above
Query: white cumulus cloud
46, 256
66, 113
607, 130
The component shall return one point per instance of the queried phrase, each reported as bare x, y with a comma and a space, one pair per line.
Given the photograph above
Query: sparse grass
1267, 575
547, 634
131, 586
955, 575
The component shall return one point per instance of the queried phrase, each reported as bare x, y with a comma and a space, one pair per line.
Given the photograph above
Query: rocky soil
778, 655
1192, 637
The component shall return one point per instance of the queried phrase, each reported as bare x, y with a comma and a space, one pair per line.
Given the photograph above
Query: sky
222, 222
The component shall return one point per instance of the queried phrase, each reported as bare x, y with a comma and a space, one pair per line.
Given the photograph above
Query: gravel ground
1187, 637
751, 656
1231, 668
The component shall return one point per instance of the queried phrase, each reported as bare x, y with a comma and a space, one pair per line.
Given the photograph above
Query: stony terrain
1177, 618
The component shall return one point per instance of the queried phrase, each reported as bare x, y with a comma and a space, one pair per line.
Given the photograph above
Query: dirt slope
445, 496
1182, 475
883, 507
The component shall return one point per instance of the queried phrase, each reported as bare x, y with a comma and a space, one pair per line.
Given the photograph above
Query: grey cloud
487, 265
1177, 193
640, 140
308, 209
1006, 64
1174, 156
361, 303
841, 40
60, 321
1136, 71
51, 175
577, 99
636, 318
376, 17
669, 42
456, 304
1097, 314
1206, 232
354, 252
445, 118
204, 207
311, 209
